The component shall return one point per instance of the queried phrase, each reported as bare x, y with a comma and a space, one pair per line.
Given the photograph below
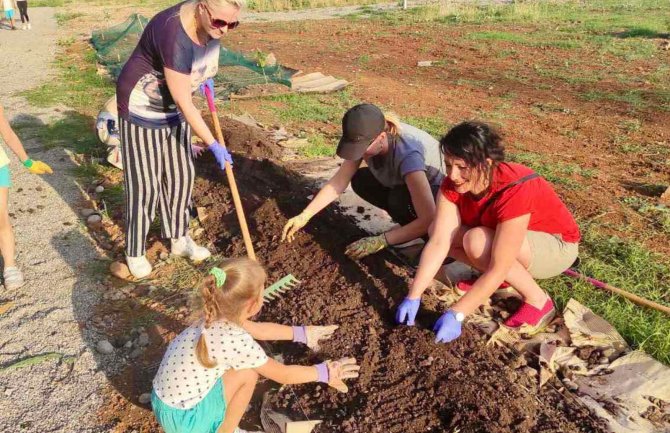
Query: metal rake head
281, 286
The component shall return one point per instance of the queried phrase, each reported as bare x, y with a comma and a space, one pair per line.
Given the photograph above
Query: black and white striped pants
158, 171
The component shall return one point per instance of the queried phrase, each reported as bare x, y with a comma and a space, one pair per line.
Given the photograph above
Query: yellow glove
37, 167
366, 246
295, 224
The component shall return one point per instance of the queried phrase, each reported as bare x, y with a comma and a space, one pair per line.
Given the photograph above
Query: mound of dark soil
407, 383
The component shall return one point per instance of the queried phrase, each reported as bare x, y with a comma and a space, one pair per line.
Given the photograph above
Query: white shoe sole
191, 257
14, 286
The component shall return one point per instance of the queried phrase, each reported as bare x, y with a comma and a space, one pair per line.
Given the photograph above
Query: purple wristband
299, 334
322, 372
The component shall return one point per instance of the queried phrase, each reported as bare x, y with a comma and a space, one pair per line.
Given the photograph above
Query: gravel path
50, 379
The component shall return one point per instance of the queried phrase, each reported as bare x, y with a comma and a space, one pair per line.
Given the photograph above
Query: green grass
555, 172
319, 147
658, 215
35, 360
75, 132
602, 27
300, 107
498, 36
113, 196
636, 99
435, 126
542, 108
256, 5
364, 59
63, 17
631, 125
628, 266
77, 86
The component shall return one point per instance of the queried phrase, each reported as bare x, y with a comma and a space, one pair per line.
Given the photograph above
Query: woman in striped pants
177, 53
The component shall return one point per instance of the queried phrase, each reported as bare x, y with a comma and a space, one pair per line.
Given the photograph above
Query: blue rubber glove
407, 310
221, 154
447, 328
208, 83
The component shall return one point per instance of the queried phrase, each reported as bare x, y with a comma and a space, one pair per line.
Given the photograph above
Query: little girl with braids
209, 371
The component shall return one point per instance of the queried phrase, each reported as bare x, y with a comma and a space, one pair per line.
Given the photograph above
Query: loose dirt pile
407, 382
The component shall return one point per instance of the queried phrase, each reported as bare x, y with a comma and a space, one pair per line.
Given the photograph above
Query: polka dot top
182, 382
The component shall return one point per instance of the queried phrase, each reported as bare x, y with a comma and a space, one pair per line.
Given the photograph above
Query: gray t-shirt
414, 150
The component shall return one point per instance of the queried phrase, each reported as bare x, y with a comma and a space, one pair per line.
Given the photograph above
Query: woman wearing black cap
402, 176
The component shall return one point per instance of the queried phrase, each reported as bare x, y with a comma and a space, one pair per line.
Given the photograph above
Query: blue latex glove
208, 83
447, 328
221, 154
407, 310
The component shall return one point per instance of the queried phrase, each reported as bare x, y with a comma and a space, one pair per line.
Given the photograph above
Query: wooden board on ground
316, 82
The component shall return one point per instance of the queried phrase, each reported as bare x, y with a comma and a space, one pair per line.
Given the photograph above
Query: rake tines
281, 286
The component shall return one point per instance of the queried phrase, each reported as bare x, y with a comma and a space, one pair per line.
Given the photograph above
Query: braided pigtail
224, 295
210, 314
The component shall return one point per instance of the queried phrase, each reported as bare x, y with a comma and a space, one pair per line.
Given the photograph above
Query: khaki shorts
549, 254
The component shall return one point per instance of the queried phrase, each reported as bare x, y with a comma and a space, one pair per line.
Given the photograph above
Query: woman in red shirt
502, 219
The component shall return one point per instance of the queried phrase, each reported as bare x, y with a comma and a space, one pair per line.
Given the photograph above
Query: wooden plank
332, 86
314, 83
307, 77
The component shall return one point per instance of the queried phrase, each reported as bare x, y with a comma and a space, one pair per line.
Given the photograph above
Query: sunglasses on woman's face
218, 23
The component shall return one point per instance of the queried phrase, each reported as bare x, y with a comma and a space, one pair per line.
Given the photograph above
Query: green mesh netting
236, 71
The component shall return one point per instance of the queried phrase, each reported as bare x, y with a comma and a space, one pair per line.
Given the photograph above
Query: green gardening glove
366, 246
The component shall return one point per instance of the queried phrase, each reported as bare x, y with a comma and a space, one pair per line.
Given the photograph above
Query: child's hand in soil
318, 333
345, 368
311, 335
37, 167
447, 328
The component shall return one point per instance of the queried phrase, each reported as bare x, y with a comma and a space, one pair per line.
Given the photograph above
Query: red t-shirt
548, 213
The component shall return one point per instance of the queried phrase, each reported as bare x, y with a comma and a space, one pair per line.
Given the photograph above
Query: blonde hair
392, 123
245, 279
219, 3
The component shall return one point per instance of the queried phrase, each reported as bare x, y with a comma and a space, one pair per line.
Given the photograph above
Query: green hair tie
219, 276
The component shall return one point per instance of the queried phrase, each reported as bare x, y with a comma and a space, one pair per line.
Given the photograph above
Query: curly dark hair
474, 142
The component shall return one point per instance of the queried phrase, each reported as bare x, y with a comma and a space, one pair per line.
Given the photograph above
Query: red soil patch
524, 88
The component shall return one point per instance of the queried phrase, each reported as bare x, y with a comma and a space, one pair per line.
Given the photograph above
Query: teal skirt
205, 417
5, 177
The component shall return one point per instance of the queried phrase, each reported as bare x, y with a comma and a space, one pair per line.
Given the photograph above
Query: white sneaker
186, 247
29, 26
24, 27
139, 266
13, 278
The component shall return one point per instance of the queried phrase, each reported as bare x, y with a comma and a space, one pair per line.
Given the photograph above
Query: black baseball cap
360, 126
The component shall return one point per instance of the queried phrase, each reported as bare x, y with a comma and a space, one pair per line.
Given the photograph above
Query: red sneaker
463, 287
532, 317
